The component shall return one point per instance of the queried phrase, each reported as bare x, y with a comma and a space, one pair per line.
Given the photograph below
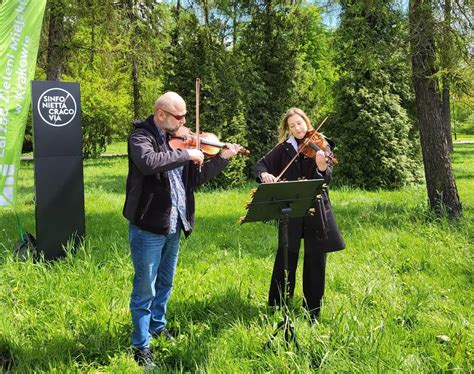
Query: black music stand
282, 201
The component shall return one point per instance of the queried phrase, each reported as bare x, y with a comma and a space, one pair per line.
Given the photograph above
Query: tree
198, 51
453, 41
442, 191
268, 71
445, 65
146, 24
315, 73
371, 123
60, 30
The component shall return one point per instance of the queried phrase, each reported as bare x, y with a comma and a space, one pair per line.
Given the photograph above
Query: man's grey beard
169, 128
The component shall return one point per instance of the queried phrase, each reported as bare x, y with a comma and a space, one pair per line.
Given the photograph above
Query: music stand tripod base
286, 324
283, 201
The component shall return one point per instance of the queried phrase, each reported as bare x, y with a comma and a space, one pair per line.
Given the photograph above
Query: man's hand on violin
267, 178
195, 155
230, 150
321, 161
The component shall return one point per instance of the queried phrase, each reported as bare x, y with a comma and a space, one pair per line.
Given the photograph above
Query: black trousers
314, 272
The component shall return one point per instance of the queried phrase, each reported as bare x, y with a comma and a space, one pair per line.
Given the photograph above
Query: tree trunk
56, 37
92, 47
136, 88
133, 57
442, 192
234, 24
447, 114
445, 65
205, 5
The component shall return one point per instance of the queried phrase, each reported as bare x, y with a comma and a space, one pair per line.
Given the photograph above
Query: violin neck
212, 143
205, 141
314, 146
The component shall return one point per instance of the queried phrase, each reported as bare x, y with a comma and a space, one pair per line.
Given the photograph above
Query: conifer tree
371, 125
268, 44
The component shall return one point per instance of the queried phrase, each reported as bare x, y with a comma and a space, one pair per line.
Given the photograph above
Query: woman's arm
267, 167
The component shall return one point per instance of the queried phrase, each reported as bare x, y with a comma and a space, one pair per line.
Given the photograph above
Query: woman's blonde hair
284, 129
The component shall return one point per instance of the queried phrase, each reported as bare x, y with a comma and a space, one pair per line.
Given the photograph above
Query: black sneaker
165, 333
144, 358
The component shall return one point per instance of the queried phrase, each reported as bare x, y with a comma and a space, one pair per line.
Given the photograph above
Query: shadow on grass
7, 362
199, 323
92, 346
217, 311
91, 343
463, 151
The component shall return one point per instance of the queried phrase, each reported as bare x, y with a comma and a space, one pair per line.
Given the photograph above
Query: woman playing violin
318, 229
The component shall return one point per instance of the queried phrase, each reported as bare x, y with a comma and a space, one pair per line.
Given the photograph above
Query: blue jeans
154, 260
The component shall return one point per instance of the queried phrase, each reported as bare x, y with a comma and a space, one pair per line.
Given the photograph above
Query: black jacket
148, 196
321, 228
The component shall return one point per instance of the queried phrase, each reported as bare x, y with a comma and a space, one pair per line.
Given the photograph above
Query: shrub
105, 114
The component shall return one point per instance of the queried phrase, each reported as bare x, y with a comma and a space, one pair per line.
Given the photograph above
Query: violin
209, 143
314, 142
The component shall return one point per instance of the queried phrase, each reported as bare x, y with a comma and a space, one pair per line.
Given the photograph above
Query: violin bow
306, 142
322, 123
198, 139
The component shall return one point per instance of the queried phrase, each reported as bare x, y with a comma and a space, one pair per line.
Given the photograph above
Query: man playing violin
159, 205
320, 231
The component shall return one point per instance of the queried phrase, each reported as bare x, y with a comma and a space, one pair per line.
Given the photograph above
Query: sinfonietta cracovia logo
57, 107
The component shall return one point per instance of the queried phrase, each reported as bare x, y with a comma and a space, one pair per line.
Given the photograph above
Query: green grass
463, 137
117, 148
404, 281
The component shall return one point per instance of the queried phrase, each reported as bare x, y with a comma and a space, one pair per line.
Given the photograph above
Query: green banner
20, 29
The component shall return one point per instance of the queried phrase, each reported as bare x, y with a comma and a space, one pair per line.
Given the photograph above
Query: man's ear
159, 115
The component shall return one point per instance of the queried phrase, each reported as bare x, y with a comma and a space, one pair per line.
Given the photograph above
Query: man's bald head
171, 102
170, 111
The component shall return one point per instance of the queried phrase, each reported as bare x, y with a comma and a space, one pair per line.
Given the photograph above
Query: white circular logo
57, 107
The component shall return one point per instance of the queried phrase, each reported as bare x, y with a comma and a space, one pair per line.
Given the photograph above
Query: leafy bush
233, 175
462, 118
221, 110
105, 114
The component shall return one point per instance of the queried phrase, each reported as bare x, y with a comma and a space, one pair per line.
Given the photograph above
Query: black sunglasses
179, 117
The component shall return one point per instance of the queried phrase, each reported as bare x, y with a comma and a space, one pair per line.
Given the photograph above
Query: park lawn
463, 137
399, 298
117, 148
